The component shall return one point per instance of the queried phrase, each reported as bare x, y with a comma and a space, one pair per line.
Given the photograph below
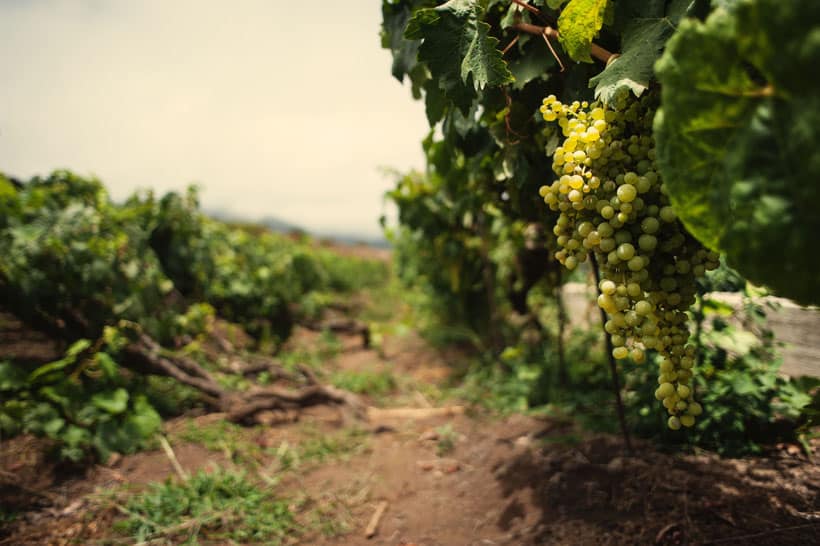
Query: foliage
579, 23
83, 401
737, 135
215, 436
92, 273
644, 29
446, 438
465, 220
319, 447
528, 376
371, 382
477, 202
253, 279
220, 505
458, 49
73, 259
734, 135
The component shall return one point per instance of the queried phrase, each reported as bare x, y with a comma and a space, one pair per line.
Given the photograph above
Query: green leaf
107, 364
71, 357
113, 402
57, 395
579, 22
458, 50
483, 59
75, 436
53, 426
743, 385
717, 307
533, 63
7, 189
394, 22
12, 377
737, 138
434, 102
643, 40
144, 420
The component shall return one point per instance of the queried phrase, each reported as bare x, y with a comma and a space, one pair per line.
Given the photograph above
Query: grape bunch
612, 202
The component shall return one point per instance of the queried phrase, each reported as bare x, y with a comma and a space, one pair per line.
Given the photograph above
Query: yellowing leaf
578, 24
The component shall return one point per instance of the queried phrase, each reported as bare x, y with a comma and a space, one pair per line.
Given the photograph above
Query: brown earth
449, 480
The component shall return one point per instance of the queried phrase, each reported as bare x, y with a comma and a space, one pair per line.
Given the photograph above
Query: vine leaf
737, 137
643, 39
532, 64
458, 49
483, 59
404, 52
578, 24
434, 102
113, 402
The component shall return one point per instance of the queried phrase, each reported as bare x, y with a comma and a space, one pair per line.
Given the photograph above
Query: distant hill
281, 226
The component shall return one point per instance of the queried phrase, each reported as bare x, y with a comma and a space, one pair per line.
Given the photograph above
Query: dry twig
370, 531
169, 452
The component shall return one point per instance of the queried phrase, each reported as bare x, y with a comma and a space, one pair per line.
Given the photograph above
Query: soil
468, 478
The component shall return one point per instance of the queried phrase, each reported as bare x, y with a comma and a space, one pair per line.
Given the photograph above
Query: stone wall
798, 327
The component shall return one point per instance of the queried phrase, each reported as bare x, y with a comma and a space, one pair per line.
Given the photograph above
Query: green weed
215, 436
320, 447
218, 506
374, 383
447, 437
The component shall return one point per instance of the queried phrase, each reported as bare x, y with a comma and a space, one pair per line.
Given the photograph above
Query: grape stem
616, 385
531, 9
563, 378
547, 32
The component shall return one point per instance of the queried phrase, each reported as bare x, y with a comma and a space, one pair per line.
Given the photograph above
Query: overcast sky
274, 108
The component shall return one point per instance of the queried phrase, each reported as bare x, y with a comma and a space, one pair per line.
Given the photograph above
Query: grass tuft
217, 506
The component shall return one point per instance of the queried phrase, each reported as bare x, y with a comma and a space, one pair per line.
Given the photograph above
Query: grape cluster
612, 202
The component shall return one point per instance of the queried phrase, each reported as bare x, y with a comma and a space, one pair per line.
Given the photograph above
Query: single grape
627, 193
674, 423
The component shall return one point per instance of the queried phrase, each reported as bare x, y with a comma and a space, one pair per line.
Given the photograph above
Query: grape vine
677, 146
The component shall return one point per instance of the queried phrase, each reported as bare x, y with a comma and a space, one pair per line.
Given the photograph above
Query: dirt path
448, 480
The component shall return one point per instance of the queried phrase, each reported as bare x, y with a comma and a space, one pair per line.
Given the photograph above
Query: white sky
275, 108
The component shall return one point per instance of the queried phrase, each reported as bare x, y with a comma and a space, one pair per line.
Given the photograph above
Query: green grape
612, 203
634, 289
650, 225
620, 352
666, 390
622, 237
694, 409
636, 263
606, 230
608, 287
647, 242
674, 423
667, 214
627, 193
643, 308
626, 251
